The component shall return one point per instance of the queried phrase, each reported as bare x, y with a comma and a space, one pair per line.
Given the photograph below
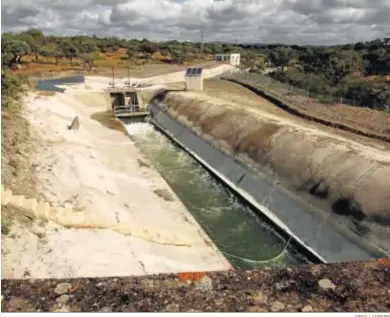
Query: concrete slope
311, 227
66, 217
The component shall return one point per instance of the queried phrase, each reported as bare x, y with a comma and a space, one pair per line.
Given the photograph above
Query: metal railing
125, 110
295, 94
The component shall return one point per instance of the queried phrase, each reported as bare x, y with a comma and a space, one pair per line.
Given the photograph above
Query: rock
256, 309
307, 308
106, 310
75, 124
260, 298
283, 285
204, 284
63, 309
19, 304
62, 288
277, 306
63, 299
326, 284
172, 308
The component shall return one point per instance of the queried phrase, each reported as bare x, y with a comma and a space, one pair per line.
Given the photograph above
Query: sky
317, 22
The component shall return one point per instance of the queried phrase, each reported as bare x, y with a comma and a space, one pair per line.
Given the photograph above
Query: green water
245, 240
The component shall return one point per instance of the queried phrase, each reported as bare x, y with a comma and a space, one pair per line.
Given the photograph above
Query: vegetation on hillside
355, 71
359, 72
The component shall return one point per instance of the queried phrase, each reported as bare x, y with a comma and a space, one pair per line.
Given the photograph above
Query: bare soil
148, 70
17, 152
359, 117
120, 71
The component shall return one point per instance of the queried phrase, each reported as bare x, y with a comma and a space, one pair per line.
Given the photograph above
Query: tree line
17, 45
344, 71
340, 71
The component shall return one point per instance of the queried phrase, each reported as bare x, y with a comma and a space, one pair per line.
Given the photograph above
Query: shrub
12, 87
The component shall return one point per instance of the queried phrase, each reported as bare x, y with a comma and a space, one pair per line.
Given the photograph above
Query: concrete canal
245, 240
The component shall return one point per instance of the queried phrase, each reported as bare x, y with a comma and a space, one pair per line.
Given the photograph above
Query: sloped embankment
329, 172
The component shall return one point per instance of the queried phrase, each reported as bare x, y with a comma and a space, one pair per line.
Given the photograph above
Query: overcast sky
261, 21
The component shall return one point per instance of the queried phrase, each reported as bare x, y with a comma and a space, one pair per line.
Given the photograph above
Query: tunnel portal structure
126, 104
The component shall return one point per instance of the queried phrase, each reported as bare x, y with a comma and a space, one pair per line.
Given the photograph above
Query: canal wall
267, 164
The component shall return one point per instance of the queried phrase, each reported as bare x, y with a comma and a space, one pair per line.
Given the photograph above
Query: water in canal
245, 240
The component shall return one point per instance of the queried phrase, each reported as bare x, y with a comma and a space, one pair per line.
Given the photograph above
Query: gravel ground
351, 287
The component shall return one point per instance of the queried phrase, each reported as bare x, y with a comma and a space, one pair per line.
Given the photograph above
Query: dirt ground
237, 94
19, 146
96, 170
341, 287
144, 71
19, 166
120, 71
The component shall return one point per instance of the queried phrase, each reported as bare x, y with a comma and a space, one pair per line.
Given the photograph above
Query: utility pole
236, 44
128, 75
201, 40
113, 77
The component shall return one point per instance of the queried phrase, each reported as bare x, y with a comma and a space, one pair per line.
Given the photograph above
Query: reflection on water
245, 240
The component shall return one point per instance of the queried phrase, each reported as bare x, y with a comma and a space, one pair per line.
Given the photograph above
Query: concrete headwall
350, 184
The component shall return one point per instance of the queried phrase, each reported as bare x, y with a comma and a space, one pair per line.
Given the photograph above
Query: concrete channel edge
296, 218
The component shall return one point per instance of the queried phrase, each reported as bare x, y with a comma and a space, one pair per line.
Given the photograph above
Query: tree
90, 58
51, 50
131, 52
177, 56
16, 48
280, 57
342, 63
378, 61
249, 59
69, 50
87, 46
148, 47
372, 95
35, 39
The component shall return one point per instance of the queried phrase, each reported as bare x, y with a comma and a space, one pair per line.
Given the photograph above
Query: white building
194, 79
232, 58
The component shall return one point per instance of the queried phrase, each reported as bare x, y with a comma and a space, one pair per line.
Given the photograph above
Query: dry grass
258, 142
139, 67
363, 118
359, 117
208, 124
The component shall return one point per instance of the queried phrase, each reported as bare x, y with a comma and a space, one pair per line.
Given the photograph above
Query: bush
12, 87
